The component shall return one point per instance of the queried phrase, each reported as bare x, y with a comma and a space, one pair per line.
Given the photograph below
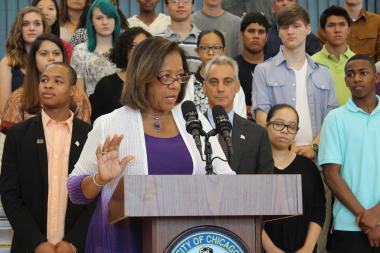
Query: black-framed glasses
279, 126
214, 48
168, 79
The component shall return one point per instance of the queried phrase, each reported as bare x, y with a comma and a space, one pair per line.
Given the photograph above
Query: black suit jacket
252, 151
24, 186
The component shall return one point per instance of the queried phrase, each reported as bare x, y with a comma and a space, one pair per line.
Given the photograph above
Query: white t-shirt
159, 25
305, 134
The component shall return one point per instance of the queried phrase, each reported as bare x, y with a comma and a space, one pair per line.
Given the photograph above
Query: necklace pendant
157, 124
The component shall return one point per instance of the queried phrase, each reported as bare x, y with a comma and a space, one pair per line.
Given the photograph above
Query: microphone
193, 124
223, 125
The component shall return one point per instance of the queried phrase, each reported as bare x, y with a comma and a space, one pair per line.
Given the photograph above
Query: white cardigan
128, 122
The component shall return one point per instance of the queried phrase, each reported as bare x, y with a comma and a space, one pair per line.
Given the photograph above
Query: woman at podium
296, 234
145, 136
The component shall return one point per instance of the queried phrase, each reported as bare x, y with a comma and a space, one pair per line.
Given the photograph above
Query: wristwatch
315, 147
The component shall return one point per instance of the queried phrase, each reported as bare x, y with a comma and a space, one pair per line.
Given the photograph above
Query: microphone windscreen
189, 109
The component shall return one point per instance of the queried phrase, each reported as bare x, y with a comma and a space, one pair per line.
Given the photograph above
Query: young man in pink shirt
38, 156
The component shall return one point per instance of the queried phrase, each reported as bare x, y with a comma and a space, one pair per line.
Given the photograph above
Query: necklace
157, 121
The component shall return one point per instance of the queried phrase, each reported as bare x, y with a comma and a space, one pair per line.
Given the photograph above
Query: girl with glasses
210, 43
295, 234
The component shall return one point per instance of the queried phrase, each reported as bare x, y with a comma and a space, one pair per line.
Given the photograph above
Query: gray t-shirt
227, 23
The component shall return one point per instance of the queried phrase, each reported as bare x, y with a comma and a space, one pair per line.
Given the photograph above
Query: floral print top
91, 66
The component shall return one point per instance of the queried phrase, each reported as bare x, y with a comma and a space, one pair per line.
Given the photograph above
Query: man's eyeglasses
279, 126
179, 1
168, 79
214, 48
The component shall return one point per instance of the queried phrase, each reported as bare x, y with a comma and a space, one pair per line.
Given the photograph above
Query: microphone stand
208, 151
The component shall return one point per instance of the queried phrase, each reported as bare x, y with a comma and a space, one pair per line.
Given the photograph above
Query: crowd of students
298, 103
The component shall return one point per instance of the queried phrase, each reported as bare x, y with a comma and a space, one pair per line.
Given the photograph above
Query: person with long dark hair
25, 102
51, 14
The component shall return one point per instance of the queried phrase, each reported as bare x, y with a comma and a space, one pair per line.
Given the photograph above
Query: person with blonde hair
28, 25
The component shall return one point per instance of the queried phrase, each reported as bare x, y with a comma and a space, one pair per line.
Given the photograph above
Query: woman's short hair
214, 31
108, 9
124, 44
144, 66
278, 107
15, 45
31, 101
55, 28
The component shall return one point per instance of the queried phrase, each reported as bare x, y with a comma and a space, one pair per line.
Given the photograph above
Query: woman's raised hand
109, 163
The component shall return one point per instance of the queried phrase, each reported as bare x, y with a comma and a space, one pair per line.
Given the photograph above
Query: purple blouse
165, 156
168, 156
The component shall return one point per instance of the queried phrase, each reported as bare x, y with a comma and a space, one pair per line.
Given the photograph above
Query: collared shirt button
294, 84
294, 99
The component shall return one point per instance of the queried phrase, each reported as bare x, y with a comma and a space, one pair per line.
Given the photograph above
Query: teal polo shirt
336, 68
351, 137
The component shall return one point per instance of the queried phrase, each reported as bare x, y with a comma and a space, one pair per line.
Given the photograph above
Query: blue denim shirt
275, 83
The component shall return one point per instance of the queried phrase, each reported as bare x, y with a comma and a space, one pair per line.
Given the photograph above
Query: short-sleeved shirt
156, 27
275, 83
188, 44
336, 68
350, 137
91, 66
364, 37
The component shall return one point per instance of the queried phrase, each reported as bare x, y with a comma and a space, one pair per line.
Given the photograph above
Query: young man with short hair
292, 77
182, 31
252, 153
254, 35
39, 153
349, 154
148, 18
335, 26
274, 42
213, 16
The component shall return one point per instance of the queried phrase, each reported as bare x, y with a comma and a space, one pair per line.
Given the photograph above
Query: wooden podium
170, 205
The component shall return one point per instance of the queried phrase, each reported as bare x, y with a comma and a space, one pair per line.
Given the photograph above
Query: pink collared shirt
58, 140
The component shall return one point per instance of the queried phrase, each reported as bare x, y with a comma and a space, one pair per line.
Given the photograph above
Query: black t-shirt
246, 70
289, 234
106, 96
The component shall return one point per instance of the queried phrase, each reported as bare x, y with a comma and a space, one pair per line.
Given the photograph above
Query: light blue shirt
275, 83
350, 137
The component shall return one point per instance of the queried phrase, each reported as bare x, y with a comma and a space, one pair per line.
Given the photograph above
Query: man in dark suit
252, 153
39, 153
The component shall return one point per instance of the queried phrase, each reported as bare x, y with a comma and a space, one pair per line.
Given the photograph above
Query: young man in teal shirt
349, 154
